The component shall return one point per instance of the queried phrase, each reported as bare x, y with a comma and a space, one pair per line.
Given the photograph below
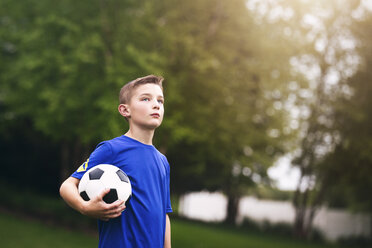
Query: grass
200, 235
21, 233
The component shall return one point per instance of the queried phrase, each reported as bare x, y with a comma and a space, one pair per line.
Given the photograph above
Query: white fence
333, 223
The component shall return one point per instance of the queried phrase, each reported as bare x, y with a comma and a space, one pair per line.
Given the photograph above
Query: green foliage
65, 62
45, 82
356, 242
218, 81
351, 162
331, 102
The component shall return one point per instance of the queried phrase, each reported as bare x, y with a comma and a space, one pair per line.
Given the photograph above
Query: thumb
103, 193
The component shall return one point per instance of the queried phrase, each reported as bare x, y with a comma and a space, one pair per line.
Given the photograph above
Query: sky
285, 177
367, 4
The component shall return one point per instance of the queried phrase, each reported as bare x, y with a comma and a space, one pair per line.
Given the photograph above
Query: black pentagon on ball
95, 174
123, 177
111, 196
84, 195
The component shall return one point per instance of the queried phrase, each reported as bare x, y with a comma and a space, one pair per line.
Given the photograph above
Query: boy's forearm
70, 194
167, 238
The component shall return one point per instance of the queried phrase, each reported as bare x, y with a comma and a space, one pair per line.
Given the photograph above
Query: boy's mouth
155, 115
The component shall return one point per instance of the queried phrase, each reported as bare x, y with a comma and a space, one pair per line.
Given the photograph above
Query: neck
143, 136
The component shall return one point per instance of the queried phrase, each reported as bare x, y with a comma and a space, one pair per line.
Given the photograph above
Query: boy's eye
161, 101
146, 99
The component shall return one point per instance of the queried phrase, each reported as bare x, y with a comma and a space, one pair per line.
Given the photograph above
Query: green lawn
20, 233
195, 235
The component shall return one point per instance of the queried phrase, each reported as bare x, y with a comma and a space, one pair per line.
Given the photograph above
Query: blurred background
267, 127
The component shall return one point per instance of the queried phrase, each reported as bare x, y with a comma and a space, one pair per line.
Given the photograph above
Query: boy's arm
95, 208
167, 239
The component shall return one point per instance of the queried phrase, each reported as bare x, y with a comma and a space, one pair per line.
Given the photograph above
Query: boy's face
146, 106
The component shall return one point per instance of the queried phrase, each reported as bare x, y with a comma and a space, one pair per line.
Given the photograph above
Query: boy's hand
99, 209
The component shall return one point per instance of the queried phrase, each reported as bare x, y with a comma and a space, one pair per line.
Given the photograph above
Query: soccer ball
101, 177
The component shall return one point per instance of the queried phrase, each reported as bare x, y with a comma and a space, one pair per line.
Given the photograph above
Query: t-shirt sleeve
101, 155
168, 204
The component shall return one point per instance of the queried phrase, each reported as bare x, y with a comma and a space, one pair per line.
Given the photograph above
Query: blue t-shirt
142, 224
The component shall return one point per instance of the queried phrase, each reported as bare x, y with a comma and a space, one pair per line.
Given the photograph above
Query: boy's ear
124, 110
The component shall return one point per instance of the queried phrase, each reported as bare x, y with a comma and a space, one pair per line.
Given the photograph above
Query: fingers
113, 210
105, 211
105, 192
112, 214
117, 204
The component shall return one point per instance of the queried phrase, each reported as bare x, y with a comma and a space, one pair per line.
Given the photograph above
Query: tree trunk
299, 222
232, 209
305, 212
300, 201
370, 225
309, 223
314, 208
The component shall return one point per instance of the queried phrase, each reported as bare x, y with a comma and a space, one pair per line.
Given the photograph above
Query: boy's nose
156, 104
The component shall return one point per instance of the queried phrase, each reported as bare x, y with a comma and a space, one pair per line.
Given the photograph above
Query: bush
360, 242
280, 229
48, 208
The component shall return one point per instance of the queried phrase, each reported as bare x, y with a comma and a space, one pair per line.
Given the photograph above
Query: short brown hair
127, 90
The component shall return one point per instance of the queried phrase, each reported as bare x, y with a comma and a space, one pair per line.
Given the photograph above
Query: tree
325, 63
224, 76
67, 66
324, 58
350, 164
225, 120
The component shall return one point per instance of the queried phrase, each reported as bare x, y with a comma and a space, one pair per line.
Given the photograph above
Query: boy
145, 222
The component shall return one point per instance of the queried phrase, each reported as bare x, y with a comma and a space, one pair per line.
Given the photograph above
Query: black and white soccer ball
101, 177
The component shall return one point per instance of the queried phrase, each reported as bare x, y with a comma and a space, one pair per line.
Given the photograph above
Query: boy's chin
153, 126
146, 125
